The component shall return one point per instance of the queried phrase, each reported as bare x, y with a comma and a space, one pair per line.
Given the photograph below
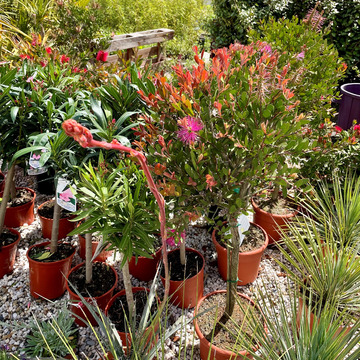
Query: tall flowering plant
219, 131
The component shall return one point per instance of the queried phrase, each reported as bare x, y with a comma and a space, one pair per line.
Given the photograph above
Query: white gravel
16, 304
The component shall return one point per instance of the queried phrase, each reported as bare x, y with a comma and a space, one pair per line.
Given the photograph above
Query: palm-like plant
315, 261
290, 335
336, 205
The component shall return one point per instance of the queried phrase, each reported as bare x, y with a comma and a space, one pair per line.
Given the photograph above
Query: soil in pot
253, 240
179, 272
23, 196
47, 211
120, 307
280, 206
7, 238
219, 334
43, 254
103, 280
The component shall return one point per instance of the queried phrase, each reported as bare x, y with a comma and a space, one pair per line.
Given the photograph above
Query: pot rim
252, 252
51, 262
190, 250
200, 334
16, 242
285, 216
43, 217
349, 93
26, 204
91, 297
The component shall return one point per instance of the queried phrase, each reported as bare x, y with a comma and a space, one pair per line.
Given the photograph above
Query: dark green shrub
310, 56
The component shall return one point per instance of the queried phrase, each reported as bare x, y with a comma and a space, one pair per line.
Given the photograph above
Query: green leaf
13, 112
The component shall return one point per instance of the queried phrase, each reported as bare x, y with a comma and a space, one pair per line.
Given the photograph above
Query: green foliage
117, 204
291, 334
309, 56
78, 30
185, 17
45, 337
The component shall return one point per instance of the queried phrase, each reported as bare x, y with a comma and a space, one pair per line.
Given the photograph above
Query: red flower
85, 71
357, 130
321, 126
64, 59
43, 63
75, 70
102, 55
338, 129
210, 182
24, 56
48, 50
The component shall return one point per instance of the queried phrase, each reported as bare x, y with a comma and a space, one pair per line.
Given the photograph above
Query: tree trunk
88, 256
232, 268
128, 290
6, 195
275, 193
55, 228
182, 252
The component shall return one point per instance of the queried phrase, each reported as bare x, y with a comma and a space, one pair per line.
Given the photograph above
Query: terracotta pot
2, 182
48, 279
206, 347
145, 268
249, 261
125, 337
186, 293
19, 215
8, 254
313, 318
82, 247
101, 301
271, 223
65, 225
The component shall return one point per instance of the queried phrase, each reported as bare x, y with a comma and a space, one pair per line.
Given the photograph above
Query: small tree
219, 132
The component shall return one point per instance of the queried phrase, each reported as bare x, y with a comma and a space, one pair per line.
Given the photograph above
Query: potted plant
219, 132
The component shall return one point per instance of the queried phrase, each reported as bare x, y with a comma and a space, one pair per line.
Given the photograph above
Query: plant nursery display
147, 194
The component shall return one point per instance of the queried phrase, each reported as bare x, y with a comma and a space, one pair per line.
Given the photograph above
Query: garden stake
84, 137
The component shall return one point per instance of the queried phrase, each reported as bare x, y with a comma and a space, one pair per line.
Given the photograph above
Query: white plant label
243, 226
37, 171
65, 196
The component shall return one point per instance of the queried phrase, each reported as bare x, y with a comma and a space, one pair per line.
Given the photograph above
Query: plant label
37, 171
243, 226
65, 196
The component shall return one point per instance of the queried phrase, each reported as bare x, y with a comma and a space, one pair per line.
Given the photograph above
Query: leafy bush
310, 55
185, 17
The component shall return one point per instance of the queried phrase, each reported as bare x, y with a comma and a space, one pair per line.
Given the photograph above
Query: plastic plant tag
243, 226
38, 158
37, 171
65, 196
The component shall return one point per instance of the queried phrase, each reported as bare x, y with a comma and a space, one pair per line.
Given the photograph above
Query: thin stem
182, 252
55, 228
6, 195
88, 256
128, 289
233, 265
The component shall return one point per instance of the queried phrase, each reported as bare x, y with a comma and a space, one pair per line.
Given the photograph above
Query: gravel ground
17, 305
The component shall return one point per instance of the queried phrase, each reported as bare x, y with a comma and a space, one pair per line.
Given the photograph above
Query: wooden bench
131, 42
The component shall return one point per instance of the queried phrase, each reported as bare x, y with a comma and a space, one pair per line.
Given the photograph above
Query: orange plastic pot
249, 261
145, 268
271, 223
2, 181
81, 310
212, 352
125, 337
186, 293
8, 254
65, 225
313, 318
48, 279
82, 248
19, 215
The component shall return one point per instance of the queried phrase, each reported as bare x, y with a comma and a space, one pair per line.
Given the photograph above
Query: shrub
308, 54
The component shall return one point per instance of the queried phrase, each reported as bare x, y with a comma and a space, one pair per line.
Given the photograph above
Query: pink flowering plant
220, 131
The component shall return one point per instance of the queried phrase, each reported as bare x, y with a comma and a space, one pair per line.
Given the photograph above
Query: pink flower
171, 240
189, 127
79, 305
30, 79
24, 56
75, 70
64, 59
66, 195
102, 55
338, 129
36, 157
357, 130
85, 71
48, 50
267, 48
300, 56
